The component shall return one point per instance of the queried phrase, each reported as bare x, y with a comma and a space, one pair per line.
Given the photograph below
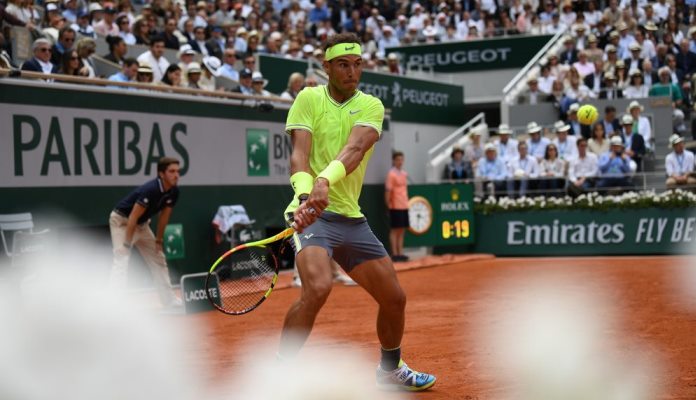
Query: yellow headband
342, 49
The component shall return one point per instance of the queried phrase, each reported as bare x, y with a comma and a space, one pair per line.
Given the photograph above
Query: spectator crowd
568, 158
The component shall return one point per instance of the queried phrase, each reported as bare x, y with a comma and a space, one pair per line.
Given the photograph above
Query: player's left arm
162, 222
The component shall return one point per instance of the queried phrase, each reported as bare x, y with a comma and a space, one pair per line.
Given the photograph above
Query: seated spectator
576, 128
227, 70
610, 122
244, 87
610, 90
258, 83
634, 144
521, 170
686, 60
198, 43
128, 73
86, 48
566, 149
211, 70
172, 76
186, 56
117, 49
569, 54
296, 83
679, 164
107, 26
491, 170
636, 89
621, 74
665, 87
594, 53
193, 70
532, 95
171, 39
552, 171
144, 73
458, 169
546, 80
473, 150
41, 62
141, 31
311, 81
393, 65
583, 170
536, 142
595, 80
599, 142
124, 30
82, 25
70, 65
506, 147
575, 91
66, 41
642, 124
614, 166
634, 61
155, 58
583, 65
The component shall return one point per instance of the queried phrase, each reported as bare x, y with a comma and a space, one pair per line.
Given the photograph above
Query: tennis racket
245, 275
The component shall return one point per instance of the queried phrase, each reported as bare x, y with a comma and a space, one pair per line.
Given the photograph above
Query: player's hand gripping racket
245, 275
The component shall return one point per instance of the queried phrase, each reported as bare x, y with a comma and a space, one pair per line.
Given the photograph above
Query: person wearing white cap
633, 141
473, 149
565, 143
536, 142
258, 83
532, 94
307, 51
430, 33
634, 61
193, 70
521, 169
506, 146
211, 69
491, 169
614, 166
641, 123
418, 17
635, 89
679, 164
388, 40
186, 54
393, 65
583, 169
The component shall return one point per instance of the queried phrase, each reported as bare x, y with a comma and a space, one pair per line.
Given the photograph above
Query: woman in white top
598, 143
636, 89
552, 171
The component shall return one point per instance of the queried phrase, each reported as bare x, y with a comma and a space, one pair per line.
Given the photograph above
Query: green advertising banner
410, 100
566, 233
174, 242
440, 215
473, 55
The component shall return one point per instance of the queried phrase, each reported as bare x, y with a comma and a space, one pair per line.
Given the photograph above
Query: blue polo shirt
151, 196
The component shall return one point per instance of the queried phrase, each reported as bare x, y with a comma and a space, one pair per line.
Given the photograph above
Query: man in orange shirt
396, 197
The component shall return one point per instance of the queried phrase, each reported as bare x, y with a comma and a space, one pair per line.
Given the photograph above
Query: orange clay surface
444, 293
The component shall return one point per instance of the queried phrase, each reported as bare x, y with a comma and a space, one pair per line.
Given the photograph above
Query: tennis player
334, 129
129, 223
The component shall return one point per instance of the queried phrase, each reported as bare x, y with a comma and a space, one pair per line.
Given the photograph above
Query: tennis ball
587, 114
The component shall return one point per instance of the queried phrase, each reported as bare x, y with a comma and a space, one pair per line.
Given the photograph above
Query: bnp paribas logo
257, 152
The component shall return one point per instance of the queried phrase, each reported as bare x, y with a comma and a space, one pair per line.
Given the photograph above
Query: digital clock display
458, 229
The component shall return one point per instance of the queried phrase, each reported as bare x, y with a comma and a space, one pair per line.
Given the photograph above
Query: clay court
446, 309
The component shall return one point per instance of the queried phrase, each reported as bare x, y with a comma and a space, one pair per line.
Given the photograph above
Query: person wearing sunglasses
41, 62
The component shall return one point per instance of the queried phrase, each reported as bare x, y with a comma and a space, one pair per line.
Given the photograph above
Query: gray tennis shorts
349, 241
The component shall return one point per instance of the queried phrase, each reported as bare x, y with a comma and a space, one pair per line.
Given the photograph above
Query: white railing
437, 155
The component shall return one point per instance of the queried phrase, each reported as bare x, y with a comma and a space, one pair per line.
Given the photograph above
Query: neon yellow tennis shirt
330, 123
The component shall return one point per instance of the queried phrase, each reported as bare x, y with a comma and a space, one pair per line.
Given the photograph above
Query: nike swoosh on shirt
354, 112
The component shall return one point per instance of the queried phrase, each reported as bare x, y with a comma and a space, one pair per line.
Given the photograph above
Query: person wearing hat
506, 146
594, 52
473, 149
634, 61
210, 68
537, 142
532, 95
240, 40
193, 72
582, 170
609, 90
641, 123
569, 54
186, 55
458, 168
70, 9
245, 77
635, 145
615, 166
565, 143
636, 89
523, 170
144, 73
611, 58
107, 26
679, 164
388, 39
491, 170
82, 25
307, 51
583, 65
258, 83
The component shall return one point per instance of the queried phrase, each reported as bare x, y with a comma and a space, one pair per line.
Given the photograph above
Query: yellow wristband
333, 172
302, 182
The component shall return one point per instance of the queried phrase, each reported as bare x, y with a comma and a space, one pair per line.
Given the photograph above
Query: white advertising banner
44, 146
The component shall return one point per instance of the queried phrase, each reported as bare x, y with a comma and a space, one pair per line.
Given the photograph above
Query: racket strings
245, 278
